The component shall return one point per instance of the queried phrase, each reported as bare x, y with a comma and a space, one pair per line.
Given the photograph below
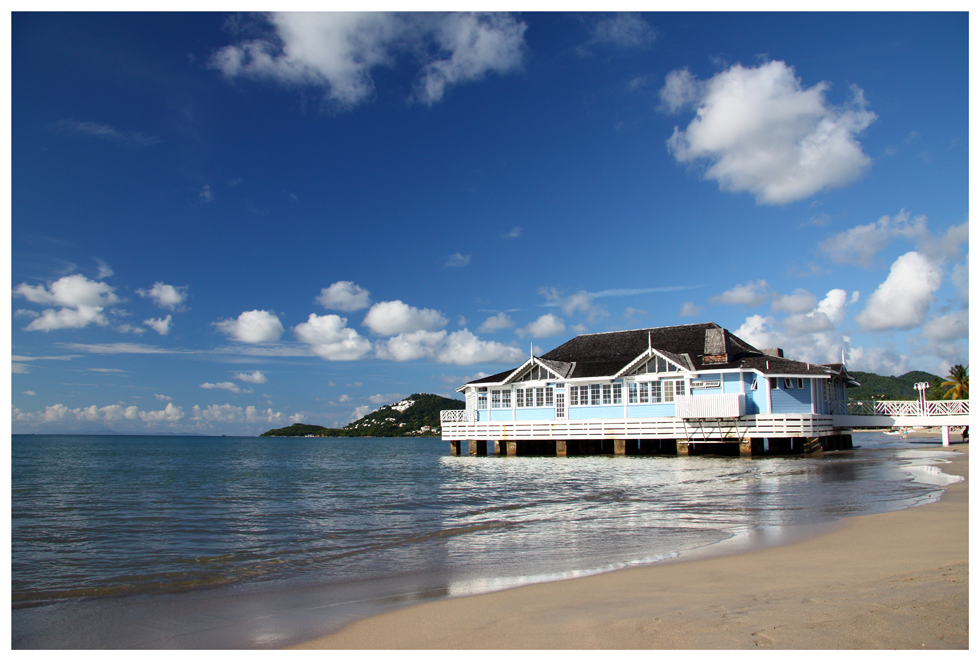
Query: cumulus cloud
252, 327
82, 302
329, 338
902, 300
626, 30
337, 51
464, 348
457, 260
476, 44
948, 327
758, 130
410, 346
251, 377
689, 309
224, 385
799, 301
170, 413
859, 245
165, 296
394, 317
123, 138
547, 325
495, 323
162, 326
345, 296
751, 294
582, 302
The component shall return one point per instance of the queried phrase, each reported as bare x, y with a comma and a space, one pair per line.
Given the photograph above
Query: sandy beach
897, 580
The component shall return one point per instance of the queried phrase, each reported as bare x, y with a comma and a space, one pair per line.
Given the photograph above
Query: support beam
478, 448
745, 448
500, 448
945, 436
619, 446
511, 448
561, 448
454, 448
683, 448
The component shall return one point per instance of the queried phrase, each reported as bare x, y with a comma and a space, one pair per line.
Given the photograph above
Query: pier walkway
747, 435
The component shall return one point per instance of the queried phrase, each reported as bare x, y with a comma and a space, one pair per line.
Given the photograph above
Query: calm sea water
174, 542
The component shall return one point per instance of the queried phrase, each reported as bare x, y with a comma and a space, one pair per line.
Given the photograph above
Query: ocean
152, 542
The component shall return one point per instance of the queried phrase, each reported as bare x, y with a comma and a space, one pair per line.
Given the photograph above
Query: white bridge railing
910, 408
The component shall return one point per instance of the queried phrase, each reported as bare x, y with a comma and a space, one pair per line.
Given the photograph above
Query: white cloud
165, 296
458, 260
162, 326
759, 131
163, 398
859, 245
799, 301
385, 399
344, 295
394, 317
514, 233
410, 346
170, 413
251, 377
689, 309
477, 44
360, 412
464, 348
134, 139
337, 51
902, 300
329, 338
252, 327
547, 325
948, 327
224, 385
579, 303
82, 302
751, 294
626, 30
495, 323
206, 195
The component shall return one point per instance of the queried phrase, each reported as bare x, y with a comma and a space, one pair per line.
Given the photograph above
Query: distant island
416, 415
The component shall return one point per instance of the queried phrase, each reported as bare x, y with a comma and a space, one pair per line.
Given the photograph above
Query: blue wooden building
674, 390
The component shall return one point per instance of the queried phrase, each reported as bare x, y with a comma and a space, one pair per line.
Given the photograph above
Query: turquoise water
181, 542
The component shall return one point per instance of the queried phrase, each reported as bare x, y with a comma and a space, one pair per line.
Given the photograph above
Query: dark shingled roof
604, 354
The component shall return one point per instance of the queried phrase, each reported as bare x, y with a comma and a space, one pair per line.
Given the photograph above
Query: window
617, 393
755, 383
679, 388
520, 398
644, 393
549, 396
505, 399
495, 399
655, 392
787, 383
573, 396
481, 400
607, 393
633, 390
595, 390
673, 389
799, 384
539, 396
773, 383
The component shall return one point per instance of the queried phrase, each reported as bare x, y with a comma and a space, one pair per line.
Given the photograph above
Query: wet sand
897, 580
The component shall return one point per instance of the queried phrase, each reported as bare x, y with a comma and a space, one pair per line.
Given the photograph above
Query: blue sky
224, 223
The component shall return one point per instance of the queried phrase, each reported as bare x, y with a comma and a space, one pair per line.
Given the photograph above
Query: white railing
910, 408
767, 426
453, 415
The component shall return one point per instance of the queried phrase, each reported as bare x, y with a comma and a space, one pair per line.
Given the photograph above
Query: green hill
892, 387
416, 415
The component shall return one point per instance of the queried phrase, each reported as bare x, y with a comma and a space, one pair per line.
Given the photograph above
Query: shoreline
866, 582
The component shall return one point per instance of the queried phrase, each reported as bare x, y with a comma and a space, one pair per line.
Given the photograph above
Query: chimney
715, 346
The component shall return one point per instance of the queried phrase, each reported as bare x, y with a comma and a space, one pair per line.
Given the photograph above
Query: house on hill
677, 389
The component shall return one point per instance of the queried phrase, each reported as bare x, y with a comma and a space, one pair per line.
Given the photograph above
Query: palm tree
957, 383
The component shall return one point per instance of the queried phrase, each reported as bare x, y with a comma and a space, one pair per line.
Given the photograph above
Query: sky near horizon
223, 223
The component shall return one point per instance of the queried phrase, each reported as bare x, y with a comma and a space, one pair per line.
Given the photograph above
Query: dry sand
885, 581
